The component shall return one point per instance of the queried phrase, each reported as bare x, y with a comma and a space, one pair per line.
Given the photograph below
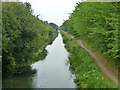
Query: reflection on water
21, 81
53, 72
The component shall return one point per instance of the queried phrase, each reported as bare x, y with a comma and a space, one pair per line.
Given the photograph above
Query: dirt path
110, 71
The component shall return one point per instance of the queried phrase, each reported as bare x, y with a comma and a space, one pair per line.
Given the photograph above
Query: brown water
52, 72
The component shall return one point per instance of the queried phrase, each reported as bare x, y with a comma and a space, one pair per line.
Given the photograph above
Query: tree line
96, 23
53, 25
24, 36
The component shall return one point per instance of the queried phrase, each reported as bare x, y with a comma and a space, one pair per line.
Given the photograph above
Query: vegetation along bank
96, 23
83, 67
24, 37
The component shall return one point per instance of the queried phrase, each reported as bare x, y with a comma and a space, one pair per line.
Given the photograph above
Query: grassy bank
82, 65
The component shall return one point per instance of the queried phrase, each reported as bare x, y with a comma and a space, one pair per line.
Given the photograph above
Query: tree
96, 23
24, 36
53, 25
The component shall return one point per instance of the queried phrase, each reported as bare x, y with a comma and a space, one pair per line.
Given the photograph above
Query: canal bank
87, 72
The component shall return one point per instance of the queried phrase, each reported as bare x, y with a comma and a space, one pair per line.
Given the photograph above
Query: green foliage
54, 26
86, 72
24, 36
96, 23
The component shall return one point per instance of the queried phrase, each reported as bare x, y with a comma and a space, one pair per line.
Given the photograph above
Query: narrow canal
53, 71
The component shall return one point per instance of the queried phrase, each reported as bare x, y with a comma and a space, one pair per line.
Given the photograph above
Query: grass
82, 65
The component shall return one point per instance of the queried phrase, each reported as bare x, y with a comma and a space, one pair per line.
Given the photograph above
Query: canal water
52, 72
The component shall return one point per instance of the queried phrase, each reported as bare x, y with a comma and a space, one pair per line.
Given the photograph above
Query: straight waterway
52, 72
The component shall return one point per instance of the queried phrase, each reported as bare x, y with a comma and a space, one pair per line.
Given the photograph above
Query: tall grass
82, 65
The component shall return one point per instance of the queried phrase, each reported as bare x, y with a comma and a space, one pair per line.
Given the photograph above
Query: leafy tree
24, 36
53, 25
96, 23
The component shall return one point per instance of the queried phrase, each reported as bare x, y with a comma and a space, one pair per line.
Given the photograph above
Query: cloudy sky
53, 10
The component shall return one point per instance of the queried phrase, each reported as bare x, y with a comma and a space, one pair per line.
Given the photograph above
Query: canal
52, 72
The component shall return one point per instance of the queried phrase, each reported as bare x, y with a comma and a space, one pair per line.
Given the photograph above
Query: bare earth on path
109, 70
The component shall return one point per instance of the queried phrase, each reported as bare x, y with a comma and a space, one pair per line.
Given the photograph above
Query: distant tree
46, 22
53, 25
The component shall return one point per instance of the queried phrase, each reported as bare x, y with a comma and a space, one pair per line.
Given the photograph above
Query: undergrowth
82, 65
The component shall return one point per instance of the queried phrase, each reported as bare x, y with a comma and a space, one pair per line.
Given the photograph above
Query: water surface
53, 71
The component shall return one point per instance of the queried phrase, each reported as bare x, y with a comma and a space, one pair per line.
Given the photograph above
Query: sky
55, 11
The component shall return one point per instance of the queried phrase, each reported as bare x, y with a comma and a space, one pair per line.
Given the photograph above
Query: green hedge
96, 23
24, 36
